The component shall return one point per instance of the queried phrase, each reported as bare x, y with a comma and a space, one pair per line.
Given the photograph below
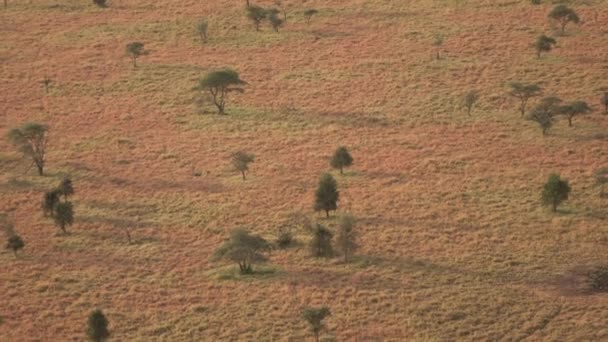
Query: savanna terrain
454, 241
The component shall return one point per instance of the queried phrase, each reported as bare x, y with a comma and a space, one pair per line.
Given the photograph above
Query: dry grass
454, 242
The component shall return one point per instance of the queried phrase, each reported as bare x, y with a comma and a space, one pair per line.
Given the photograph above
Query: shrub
15, 243
544, 44
284, 237
241, 160
321, 242
100, 3
470, 99
309, 13
256, 15
203, 30
597, 279
555, 191
347, 238
97, 327
135, 50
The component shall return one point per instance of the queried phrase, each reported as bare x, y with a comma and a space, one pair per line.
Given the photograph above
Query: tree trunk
40, 169
570, 121
554, 205
327, 213
243, 173
134, 62
316, 337
341, 170
564, 27
345, 256
128, 235
437, 55
247, 3
15, 252
62, 226
522, 108
538, 54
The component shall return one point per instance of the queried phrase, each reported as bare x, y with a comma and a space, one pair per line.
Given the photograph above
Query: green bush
597, 279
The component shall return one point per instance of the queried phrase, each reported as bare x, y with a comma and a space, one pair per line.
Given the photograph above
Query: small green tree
309, 13
31, 139
524, 92
544, 44
135, 50
256, 15
573, 109
321, 242
66, 188
275, 21
327, 194
244, 249
470, 99
97, 327
241, 160
219, 83
555, 191
63, 215
15, 243
315, 318
564, 15
438, 40
544, 113
347, 238
203, 30
601, 179
341, 159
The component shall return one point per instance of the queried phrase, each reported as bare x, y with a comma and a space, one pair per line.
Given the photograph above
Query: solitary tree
241, 160
97, 327
555, 191
524, 92
438, 39
256, 15
544, 113
203, 30
470, 99
135, 50
244, 249
573, 109
347, 238
544, 44
275, 21
563, 15
219, 83
63, 215
309, 13
31, 139
321, 242
605, 102
315, 318
601, 179
341, 159
327, 194
66, 188
15, 243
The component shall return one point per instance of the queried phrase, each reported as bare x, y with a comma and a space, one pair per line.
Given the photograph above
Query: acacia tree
347, 238
544, 44
275, 21
321, 242
573, 109
240, 160
219, 83
256, 15
244, 249
564, 15
135, 50
470, 99
31, 139
544, 113
327, 194
555, 191
15, 243
341, 159
524, 92
309, 13
97, 327
315, 318
601, 179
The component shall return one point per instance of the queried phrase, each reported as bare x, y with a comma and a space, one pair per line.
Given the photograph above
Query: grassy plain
454, 242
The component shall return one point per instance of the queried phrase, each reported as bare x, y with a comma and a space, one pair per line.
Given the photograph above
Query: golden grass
454, 243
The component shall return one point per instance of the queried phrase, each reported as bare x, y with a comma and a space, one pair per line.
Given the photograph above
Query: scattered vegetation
97, 327
341, 159
219, 83
555, 191
314, 317
327, 194
243, 248
241, 160
31, 139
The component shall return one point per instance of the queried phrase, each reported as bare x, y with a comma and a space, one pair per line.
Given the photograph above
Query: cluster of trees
563, 15
55, 205
548, 108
